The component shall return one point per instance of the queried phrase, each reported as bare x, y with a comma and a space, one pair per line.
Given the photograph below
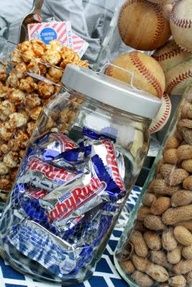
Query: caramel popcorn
23, 96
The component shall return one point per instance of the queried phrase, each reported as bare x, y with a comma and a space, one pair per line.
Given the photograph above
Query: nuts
159, 257
128, 266
187, 183
172, 142
160, 205
175, 215
177, 176
166, 169
143, 211
170, 156
174, 256
152, 240
157, 272
168, 240
189, 278
142, 279
183, 235
139, 244
187, 252
177, 281
160, 187
185, 123
187, 165
149, 199
187, 135
187, 224
183, 267
153, 222
181, 197
184, 152
140, 263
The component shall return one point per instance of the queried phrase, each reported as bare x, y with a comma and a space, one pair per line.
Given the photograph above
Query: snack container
81, 162
29, 76
155, 247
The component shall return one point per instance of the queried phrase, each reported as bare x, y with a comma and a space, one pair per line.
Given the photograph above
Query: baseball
178, 78
163, 115
181, 24
166, 5
142, 25
170, 55
139, 70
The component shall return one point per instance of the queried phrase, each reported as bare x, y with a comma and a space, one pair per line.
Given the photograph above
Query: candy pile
65, 200
22, 97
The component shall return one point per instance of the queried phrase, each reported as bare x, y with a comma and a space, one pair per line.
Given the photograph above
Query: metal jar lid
111, 91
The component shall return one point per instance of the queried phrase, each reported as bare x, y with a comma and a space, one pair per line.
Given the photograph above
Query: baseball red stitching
168, 54
181, 77
146, 73
160, 22
164, 116
157, 10
182, 23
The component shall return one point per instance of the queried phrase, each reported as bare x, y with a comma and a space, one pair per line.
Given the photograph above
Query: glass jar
155, 247
81, 162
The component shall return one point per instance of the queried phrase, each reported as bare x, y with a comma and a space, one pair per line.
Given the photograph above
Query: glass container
154, 249
81, 162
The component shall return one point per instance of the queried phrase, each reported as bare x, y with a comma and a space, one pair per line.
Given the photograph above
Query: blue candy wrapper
66, 198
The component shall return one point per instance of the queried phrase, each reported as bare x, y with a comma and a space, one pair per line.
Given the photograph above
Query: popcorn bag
155, 248
84, 156
27, 82
60, 31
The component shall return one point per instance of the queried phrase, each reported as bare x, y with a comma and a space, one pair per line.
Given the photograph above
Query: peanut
177, 214
187, 183
187, 135
139, 244
157, 272
143, 212
177, 176
186, 111
183, 267
159, 258
177, 281
187, 252
166, 169
187, 165
184, 152
181, 197
148, 199
159, 186
185, 123
128, 266
183, 235
168, 240
160, 205
170, 156
153, 222
172, 142
187, 224
189, 278
152, 240
174, 256
140, 263
142, 280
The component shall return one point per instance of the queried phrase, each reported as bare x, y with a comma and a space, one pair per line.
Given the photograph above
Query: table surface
105, 274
